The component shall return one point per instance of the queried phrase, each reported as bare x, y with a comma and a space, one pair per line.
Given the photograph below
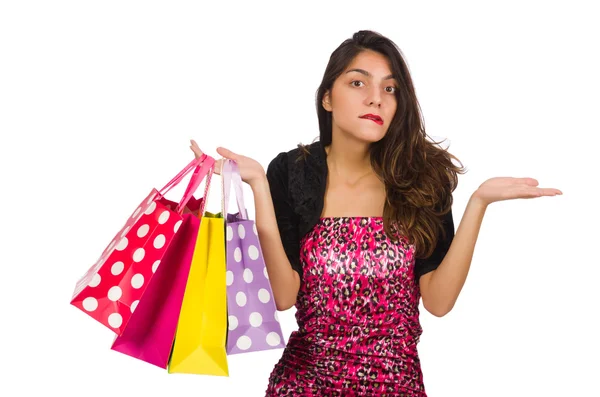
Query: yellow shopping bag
199, 346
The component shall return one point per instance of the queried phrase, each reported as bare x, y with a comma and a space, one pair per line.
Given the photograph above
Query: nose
374, 97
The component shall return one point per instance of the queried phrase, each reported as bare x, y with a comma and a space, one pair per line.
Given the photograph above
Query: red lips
373, 117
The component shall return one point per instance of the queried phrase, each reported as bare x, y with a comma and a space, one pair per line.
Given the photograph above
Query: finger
197, 152
196, 146
528, 181
550, 192
537, 192
228, 154
218, 166
193, 143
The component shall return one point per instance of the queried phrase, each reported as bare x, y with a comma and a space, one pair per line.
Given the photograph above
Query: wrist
478, 201
259, 183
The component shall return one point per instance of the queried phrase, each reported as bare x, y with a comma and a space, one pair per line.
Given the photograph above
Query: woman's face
362, 100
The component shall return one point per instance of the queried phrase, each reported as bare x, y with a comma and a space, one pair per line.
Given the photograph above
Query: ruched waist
388, 341
341, 361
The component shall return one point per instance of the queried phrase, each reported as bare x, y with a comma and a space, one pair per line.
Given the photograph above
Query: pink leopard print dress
357, 314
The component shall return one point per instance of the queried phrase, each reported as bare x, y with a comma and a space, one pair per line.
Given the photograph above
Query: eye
356, 83
390, 89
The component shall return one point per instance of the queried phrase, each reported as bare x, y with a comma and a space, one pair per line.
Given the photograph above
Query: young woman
357, 227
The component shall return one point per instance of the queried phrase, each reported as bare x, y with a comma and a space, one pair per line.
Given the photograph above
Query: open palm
509, 188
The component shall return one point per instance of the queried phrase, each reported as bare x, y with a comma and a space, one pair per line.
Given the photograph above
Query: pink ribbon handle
179, 177
230, 174
203, 170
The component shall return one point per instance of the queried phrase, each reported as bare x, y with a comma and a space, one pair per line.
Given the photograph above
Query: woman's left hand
508, 188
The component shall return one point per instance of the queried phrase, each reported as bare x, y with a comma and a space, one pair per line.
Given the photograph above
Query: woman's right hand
250, 170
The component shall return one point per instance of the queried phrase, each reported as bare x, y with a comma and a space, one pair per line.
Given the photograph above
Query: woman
357, 227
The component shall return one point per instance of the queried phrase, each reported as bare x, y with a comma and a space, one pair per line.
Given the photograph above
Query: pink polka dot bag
110, 291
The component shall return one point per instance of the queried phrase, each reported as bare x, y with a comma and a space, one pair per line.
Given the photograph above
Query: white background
99, 99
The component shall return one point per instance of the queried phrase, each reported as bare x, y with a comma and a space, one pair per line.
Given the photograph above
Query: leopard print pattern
357, 314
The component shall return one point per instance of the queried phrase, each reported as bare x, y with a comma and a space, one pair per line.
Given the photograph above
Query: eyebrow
362, 71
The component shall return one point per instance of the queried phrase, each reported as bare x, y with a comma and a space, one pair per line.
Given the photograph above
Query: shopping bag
111, 289
199, 346
252, 314
151, 329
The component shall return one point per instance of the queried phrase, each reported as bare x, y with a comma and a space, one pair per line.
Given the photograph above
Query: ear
327, 101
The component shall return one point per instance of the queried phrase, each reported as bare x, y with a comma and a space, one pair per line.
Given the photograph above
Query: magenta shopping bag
151, 330
252, 315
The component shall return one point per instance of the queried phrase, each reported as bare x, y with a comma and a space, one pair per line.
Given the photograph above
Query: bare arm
440, 288
285, 281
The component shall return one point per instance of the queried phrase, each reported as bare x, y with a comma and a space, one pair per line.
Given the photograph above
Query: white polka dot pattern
110, 290
253, 326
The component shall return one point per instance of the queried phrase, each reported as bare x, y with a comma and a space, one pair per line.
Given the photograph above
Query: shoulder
299, 176
294, 163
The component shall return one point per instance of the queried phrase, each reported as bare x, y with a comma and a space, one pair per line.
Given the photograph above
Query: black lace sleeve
426, 265
287, 219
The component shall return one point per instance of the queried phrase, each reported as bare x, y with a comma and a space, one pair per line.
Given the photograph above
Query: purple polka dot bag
253, 324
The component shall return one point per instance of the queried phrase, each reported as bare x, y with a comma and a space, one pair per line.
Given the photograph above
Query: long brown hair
418, 174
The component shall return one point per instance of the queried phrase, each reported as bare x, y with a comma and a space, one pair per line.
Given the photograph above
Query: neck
349, 158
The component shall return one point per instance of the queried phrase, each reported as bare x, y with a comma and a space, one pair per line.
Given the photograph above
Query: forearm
448, 279
285, 282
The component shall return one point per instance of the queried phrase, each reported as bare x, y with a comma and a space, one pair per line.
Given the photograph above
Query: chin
370, 136
366, 135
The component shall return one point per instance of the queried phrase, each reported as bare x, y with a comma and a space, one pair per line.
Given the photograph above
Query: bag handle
206, 190
179, 177
203, 167
203, 170
230, 174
